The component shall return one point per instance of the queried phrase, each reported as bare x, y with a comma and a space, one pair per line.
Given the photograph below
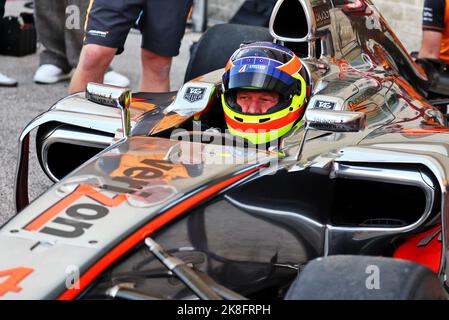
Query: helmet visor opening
230, 98
276, 81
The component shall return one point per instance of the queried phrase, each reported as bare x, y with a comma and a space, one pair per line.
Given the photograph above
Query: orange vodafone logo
71, 218
77, 221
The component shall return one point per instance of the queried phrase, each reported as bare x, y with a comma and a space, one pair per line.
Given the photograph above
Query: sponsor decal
428, 14
194, 94
248, 67
71, 218
321, 104
257, 67
322, 15
97, 33
79, 217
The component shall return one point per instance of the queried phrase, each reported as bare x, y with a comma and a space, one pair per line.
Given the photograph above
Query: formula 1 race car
146, 204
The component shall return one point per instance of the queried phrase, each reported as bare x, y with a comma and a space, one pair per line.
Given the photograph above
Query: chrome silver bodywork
115, 97
363, 74
336, 121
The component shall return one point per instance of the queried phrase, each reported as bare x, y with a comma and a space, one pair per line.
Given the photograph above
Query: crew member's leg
161, 41
94, 61
107, 26
50, 25
74, 37
155, 72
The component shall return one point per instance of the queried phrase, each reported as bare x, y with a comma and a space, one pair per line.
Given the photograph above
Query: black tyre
217, 44
365, 278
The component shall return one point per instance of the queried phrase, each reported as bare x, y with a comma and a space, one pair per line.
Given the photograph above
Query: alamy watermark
72, 280
73, 18
372, 282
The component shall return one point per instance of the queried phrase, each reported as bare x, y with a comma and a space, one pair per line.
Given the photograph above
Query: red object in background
357, 4
423, 248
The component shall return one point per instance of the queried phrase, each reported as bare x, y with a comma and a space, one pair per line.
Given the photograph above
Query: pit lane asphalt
18, 106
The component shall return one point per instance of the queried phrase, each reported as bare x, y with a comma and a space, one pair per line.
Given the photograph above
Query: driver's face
257, 102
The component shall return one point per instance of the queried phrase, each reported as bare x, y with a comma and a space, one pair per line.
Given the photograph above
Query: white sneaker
7, 81
116, 79
48, 74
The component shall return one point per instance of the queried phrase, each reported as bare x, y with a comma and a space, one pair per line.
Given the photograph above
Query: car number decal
11, 278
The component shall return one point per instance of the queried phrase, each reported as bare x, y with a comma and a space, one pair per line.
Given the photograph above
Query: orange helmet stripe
229, 65
266, 126
291, 67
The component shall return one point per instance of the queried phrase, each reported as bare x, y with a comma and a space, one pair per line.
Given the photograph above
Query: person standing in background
60, 29
4, 80
435, 38
108, 24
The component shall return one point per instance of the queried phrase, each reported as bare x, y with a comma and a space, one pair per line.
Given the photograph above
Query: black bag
18, 35
254, 13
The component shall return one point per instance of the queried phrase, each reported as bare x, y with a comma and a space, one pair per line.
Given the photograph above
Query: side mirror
115, 97
335, 121
112, 96
331, 120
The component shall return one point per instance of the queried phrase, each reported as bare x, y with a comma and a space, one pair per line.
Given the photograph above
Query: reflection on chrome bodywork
357, 188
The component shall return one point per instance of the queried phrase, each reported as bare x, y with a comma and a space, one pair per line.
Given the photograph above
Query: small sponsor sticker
194, 94
322, 15
320, 104
96, 33
243, 68
252, 67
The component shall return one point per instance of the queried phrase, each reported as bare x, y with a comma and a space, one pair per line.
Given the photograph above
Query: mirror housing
331, 120
115, 97
335, 121
94, 128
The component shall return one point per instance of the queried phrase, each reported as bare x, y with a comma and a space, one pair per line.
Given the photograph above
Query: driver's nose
253, 106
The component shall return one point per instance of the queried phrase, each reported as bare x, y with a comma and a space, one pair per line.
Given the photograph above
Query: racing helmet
264, 66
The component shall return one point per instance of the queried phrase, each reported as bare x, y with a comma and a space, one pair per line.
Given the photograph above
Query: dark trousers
2, 13
2, 8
